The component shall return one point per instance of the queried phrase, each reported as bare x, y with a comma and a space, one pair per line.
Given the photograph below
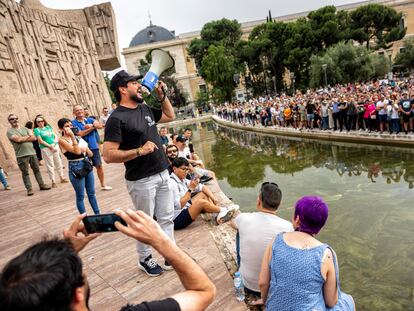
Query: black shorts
96, 158
182, 220
382, 117
406, 118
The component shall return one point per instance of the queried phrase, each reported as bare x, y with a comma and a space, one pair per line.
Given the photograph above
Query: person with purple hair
298, 271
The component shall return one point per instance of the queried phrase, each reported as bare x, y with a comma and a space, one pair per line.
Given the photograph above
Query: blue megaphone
161, 61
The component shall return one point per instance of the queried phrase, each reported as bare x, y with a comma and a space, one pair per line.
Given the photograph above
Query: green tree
202, 98
301, 45
219, 68
405, 59
347, 63
177, 97
269, 49
221, 32
328, 26
247, 53
376, 22
108, 85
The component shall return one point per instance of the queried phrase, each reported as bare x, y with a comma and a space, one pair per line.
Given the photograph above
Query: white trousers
153, 196
53, 162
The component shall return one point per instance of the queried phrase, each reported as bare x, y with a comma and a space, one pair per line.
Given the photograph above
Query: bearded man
131, 137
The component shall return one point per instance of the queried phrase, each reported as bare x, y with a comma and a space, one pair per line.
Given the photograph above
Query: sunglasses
37, 121
13, 119
184, 169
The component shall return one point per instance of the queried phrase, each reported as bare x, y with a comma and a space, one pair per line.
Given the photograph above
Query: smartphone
75, 130
102, 223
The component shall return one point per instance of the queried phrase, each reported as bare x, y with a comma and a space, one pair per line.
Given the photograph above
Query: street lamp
390, 74
324, 66
274, 84
292, 78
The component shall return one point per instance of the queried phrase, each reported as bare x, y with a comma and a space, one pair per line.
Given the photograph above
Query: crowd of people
384, 106
282, 264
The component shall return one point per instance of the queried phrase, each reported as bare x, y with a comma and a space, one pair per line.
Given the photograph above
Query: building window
203, 88
402, 23
381, 53
402, 50
151, 36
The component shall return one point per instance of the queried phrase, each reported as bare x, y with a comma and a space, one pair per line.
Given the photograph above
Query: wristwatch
138, 151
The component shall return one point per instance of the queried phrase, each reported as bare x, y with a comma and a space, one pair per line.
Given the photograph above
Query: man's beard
172, 158
136, 99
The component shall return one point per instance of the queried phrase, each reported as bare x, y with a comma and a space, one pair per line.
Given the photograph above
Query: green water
369, 190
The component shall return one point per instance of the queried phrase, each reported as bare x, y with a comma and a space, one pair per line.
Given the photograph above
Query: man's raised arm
200, 291
167, 109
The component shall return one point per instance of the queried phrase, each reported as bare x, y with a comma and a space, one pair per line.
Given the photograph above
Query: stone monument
51, 60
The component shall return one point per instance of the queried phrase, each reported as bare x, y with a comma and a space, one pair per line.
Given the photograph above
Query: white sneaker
106, 188
227, 214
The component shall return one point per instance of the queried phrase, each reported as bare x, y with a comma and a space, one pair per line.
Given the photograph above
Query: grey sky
190, 15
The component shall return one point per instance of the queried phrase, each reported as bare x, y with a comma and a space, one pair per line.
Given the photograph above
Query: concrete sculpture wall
51, 60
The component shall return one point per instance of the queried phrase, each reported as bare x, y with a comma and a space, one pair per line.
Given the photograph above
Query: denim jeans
325, 123
395, 125
79, 184
3, 178
152, 195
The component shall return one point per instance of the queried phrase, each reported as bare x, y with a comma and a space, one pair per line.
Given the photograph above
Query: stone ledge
385, 139
188, 121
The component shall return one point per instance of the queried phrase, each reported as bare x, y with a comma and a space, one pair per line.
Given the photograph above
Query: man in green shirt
21, 139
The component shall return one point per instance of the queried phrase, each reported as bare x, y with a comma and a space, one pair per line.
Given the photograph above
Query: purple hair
312, 212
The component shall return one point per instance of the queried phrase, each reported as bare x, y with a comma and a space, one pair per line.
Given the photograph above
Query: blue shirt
91, 138
335, 108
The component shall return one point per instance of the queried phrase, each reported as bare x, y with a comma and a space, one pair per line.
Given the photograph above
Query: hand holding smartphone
102, 223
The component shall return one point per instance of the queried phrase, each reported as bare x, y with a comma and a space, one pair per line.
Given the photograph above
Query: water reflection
289, 156
368, 190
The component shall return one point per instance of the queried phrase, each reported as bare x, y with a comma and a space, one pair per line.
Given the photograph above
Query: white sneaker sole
226, 217
167, 268
149, 274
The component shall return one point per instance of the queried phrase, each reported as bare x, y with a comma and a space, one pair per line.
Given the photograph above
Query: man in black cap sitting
131, 137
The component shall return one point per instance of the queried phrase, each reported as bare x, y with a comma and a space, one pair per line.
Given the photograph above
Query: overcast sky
190, 15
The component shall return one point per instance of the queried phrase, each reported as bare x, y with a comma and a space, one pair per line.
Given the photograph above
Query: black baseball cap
121, 79
181, 138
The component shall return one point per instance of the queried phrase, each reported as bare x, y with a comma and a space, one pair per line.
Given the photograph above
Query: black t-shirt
310, 108
168, 304
342, 109
132, 128
406, 104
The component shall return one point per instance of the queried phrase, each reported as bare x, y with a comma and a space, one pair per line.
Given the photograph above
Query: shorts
96, 158
406, 118
382, 117
182, 220
311, 117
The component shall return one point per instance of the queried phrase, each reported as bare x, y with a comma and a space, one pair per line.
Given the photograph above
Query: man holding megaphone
131, 137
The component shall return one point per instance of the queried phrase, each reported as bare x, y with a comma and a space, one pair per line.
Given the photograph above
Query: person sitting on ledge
48, 275
205, 175
192, 198
172, 154
298, 271
255, 231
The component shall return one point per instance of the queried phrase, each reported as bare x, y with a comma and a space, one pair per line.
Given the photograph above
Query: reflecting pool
369, 190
